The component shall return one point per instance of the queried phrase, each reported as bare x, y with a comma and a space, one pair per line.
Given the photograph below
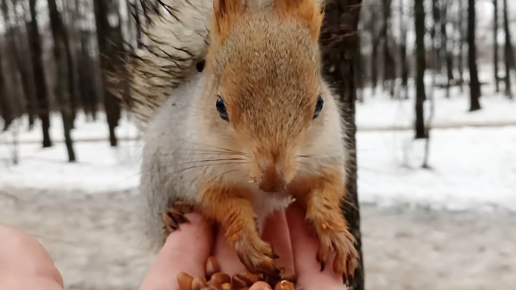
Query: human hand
25, 264
187, 250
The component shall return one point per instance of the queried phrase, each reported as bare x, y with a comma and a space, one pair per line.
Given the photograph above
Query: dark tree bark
110, 43
358, 67
64, 81
436, 17
445, 49
5, 105
27, 74
88, 94
16, 51
509, 52
474, 83
39, 74
339, 41
495, 45
389, 66
419, 10
375, 43
461, 44
403, 51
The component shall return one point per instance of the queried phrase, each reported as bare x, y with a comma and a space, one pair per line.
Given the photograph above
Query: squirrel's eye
318, 107
222, 109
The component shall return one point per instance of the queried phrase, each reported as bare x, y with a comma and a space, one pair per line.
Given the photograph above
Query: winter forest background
436, 140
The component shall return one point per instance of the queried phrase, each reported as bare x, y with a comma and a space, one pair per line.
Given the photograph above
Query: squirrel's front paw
257, 256
174, 217
342, 245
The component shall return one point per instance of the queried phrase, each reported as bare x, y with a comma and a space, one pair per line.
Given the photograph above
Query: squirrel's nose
271, 180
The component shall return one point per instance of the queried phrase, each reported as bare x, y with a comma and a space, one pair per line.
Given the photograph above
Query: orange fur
265, 66
307, 11
225, 14
231, 206
321, 196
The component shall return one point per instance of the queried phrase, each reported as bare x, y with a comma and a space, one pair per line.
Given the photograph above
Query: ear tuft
225, 14
309, 12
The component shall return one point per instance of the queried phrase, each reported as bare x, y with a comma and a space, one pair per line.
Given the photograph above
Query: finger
186, 250
304, 247
276, 233
227, 256
25, 264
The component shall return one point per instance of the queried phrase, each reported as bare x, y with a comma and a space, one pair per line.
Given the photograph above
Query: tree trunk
461, 45
64, 83
421, 66
374, 64
339, 41
445, 50
15, 51
5, 105
39, 74
109, 42
358, 67
436, 17
403, 51
509, 53
389, 71
27, 74
474, 83
495, 45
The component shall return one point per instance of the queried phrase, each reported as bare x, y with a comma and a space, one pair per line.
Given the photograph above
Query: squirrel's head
264, 83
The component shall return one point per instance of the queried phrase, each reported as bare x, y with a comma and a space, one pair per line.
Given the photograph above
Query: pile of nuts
215, 280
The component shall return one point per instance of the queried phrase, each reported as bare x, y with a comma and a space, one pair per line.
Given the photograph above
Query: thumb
186, 250
305, 246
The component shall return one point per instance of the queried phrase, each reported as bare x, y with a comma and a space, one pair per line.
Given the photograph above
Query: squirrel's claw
257, 256
174, 217
342, 245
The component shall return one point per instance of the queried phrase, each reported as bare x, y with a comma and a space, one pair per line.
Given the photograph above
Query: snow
382, 113
100, 168
471, 167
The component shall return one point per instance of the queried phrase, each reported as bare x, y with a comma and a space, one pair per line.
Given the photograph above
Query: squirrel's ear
225, 14
308, 11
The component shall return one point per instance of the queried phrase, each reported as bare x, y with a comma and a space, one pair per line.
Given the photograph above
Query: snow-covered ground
470, 167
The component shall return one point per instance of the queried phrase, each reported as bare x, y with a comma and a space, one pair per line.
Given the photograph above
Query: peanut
212, 266
185, 281
284, 285
198, 283
260, 285
221, 278
253, 278
240, 281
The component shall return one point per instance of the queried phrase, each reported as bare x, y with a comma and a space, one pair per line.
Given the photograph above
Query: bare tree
461, 29
419, 10
474, 83
15, 50
403, 50
495, 46
374, 51
39, 74
509, 52
64, 79
340, 41
389, 71
110, 42
5, 105
445, 49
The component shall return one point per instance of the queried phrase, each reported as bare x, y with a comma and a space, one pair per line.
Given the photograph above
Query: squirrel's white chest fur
266, 204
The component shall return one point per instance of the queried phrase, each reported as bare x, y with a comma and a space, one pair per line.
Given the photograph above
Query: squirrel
253, 130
